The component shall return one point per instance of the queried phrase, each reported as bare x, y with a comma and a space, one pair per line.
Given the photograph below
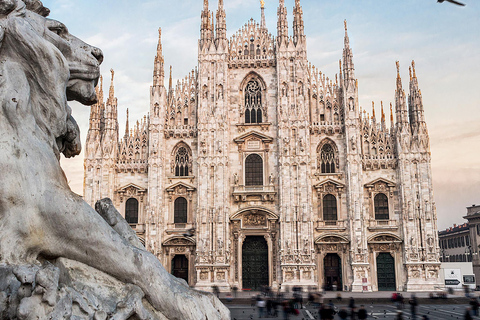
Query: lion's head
41, 59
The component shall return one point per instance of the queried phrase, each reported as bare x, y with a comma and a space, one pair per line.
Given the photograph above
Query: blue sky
443, 39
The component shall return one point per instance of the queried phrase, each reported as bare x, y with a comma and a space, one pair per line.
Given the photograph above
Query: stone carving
254, 220
42, 67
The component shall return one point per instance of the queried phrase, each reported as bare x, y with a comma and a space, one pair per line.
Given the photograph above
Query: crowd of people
285, 305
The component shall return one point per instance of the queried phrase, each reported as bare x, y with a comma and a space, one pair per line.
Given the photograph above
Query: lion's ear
6, 6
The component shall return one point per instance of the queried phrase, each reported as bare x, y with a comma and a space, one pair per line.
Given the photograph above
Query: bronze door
332, 272
180, 267
255, 263
386, 272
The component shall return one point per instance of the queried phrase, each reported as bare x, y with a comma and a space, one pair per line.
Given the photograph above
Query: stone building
257, 169
473, 217
455, 245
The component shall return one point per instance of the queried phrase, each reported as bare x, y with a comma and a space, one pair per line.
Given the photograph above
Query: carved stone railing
331, 225
382, 225
184, 131
254, 193
375, 162
326, 127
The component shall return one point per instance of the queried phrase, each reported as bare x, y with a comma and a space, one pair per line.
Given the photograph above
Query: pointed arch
327, 156
253, 91
182, 159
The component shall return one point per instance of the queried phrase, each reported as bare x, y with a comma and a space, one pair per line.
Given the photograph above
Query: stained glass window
181, 162
253, 102
329, 208
254, 170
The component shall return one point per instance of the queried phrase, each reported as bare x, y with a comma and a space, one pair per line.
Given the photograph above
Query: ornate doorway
333, 272
180, 267
386, 272
254, 262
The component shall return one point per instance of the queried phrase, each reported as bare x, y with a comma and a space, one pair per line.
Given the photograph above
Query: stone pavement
245, 297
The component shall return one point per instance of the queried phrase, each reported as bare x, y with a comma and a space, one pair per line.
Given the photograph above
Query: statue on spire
262, 3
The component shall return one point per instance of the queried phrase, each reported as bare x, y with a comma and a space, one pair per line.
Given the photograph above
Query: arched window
327, 159
381, 207
181, 162
254, 170
329, 208
180, 210
253, 102
131, 210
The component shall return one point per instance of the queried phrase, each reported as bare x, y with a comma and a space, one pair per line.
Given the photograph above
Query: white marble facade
256, 148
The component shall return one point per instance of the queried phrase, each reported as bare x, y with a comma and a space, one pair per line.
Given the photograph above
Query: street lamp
469, 254
445, 256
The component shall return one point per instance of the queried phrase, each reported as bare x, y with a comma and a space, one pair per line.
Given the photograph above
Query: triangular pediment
131, 185
330, 181
180, 184
253, 135
371, 184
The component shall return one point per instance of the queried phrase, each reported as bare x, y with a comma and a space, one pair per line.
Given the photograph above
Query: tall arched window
327, 159
329, 208
253, 102
254, 170
381, 207
181, 162
131, 210
180, 210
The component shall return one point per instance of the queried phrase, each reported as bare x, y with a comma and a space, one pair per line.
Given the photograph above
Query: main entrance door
386, 272
180, 267
333, 272
254, 263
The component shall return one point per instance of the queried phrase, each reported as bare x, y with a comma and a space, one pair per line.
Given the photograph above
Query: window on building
327, 159
381, 207
253, 102
467, 240
181, 162
254, 170
131, 210
478, 229
463, 241
329, 208
180, 210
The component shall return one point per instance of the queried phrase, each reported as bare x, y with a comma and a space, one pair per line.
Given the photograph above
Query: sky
443, 39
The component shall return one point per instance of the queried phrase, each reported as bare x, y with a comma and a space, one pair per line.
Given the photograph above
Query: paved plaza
377, 304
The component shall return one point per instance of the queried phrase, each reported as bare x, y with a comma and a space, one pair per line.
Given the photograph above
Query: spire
382, 121
348, 67
111, 93
221, 30
415, 102
170, 80
298, 29
282, 24
206, 28
373, 112
126, 127
391, 115
159, 70
400, 102
262, 7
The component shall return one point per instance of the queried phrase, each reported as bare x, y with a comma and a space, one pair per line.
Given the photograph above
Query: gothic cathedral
256, 169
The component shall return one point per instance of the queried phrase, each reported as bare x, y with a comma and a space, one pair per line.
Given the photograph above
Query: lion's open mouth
82, 91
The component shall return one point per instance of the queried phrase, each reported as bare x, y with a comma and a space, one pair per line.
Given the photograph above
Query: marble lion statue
42, 66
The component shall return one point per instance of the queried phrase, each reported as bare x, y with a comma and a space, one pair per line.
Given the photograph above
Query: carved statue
42, 66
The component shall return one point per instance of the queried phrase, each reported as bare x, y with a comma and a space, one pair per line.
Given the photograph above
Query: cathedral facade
256, 169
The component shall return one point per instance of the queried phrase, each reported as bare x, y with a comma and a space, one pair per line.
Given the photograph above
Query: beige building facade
256, 169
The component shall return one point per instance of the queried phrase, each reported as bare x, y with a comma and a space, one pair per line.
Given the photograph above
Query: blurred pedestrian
425, 317
261, 306
362, 313
468, 315
413, 306
343, 314
399, 315
474, 306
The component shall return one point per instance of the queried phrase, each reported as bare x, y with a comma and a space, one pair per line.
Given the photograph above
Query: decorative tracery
253, 102
327, 159
181, 162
